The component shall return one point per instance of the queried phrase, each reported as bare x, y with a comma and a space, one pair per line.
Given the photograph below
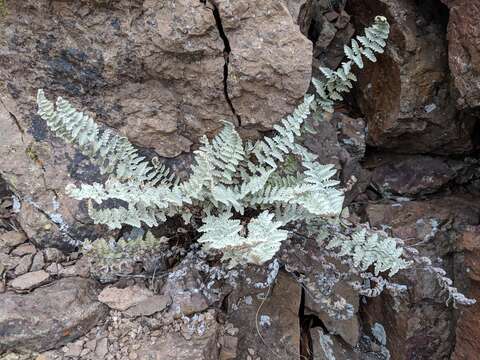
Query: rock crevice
226, 53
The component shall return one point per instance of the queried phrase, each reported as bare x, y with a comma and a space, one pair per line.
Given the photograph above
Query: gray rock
11, 239
24, 249
134, 300
53, 255
102, 348
24, 264
38, 263
8, 262
50, 316
30, 280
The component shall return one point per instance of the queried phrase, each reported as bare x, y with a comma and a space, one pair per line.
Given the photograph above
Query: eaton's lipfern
275, 181
228, 176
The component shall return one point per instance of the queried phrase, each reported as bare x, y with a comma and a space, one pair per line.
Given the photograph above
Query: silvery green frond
271, 150
264, 238
260, 245
220, 232
112, 153
115, 218
159, 197
371, 248
216, 163
340, 81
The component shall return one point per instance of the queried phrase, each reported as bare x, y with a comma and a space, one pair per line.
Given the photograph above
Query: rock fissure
226, 54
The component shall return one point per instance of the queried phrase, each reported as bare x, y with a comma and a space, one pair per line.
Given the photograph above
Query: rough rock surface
418, 323
411, 175
49, 316
463, 36
133, 300
162, 73
30, 280
468, 323
406, 96
276, 321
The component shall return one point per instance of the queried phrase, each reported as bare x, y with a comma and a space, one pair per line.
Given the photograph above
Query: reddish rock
406, 96
467, 331
418, 323
411, 175
278, 321
464, 50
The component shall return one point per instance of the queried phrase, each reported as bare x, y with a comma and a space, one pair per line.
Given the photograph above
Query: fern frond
260, 245
371, 248
112, 153
272, 150
340, 81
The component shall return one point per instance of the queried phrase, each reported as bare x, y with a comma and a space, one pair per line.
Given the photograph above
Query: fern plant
276, 179
228, 175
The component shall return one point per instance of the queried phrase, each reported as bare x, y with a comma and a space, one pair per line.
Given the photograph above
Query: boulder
50, 316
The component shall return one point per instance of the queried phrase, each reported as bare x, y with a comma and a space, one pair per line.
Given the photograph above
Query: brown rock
53, 255
173, 346
250, 60
24, 265
278, 321
464, 50
348, 330
48, 317
38, 263
412, 175
228, 349
10, 239
406, 96
8, 262
152, 70
134, 300
30, 280
327, 346
24, 249
183, 287
468, 323
417, 323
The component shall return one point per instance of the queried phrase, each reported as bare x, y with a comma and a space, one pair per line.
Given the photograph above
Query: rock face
407, 96
278, 321
49, 316
463, 50
412, 175
468, 323
418, 324
162, 73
